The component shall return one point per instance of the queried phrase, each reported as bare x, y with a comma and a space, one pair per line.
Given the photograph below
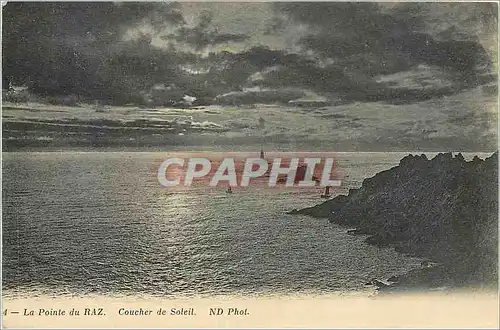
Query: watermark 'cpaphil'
233, 170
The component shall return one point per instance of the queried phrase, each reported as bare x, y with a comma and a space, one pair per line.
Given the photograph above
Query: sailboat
327, 192
269, 164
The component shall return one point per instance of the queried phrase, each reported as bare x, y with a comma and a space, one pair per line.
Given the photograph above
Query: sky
380, 55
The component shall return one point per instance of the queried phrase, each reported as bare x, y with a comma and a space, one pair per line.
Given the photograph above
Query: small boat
327, 192
229, 190
269, 165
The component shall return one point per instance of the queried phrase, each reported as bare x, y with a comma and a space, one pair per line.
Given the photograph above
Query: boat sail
327, 192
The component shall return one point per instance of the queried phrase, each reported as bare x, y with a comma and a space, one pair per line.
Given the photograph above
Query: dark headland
444, 210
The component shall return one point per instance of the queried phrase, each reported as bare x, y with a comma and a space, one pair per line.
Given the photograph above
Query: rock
325, 209
476, 160
393, 279
460, 157
444, 209
355, 232
379, 283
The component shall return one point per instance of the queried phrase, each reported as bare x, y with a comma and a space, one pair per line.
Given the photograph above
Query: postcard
250, 164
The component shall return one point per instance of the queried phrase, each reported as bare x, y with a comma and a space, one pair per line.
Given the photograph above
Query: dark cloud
203, 34
360, 41
233, 71
342, 51
79, 48
64, 48
50, 20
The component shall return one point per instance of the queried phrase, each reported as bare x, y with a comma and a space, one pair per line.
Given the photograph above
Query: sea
99, 223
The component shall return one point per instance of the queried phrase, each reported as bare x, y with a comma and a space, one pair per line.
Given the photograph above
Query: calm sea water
99, 223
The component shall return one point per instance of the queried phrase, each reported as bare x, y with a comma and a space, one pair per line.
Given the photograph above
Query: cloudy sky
421, 71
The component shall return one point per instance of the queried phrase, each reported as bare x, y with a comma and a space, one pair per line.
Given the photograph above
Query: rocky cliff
444, 209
